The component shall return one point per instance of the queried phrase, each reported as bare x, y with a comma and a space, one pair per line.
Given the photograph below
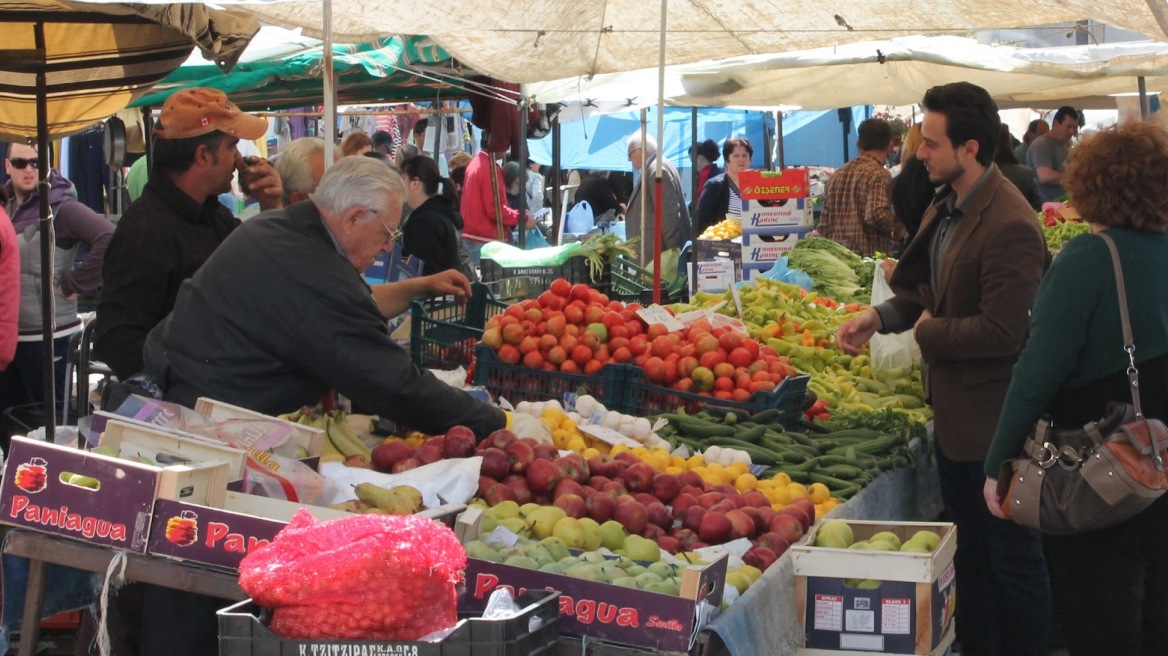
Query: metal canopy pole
1145, 109
556, 175
48, 298
522, 157
330, 92
659, 186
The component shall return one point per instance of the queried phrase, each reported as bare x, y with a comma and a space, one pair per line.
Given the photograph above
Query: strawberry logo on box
32, 476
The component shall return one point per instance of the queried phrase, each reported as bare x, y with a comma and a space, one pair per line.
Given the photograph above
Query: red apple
485, 483
597, 482
708, 499
786, 526
459, 443
765, 515
628, 457
438, 441
797, 513
574, 467
573, 505
691, 478
633, 516
568, 486
405, 464
644, 498
715, 528
600, 507
752, 513
775, 542
386, 454
666, 487
500, 439
808, 507
653, 532
428, 453
615, 489
685, 537
543, 476
529, 441
521, 455
741, 525
724, 506
756, 499
760, 557
694, 492
727, 489
639, 477
518, 485
496, 463
692, 519
680, 503
669, 543
547, 452
659, 514
542, 499
498, 494
603, 465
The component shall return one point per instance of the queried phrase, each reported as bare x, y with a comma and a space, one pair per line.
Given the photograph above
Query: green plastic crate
443, 333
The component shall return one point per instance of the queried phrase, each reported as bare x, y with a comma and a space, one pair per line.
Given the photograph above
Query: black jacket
1023, 178
161, 240
278, 316
911, 195
431, 233
600, 194
714, 202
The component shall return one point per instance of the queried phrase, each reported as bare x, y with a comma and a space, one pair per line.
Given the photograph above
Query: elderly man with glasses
675, 221
75, 225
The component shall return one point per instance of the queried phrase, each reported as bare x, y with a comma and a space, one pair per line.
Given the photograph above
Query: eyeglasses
21, 163
633, 150
393, 234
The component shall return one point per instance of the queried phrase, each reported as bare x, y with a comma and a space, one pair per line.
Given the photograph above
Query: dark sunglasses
21, 163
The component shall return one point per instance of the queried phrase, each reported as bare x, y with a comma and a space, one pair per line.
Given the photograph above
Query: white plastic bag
580, 219
890, 351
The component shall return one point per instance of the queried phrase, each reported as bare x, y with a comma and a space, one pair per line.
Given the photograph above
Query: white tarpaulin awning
888, 72
529, 41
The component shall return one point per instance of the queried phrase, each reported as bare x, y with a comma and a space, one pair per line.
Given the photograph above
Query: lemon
745, 482
819, 493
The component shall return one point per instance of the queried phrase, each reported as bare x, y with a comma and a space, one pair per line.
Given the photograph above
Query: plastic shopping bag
890, 351
580, 219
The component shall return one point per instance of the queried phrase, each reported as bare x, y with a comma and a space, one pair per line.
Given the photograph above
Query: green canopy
368, 73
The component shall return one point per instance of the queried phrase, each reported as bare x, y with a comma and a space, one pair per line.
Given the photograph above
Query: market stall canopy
387, 70
99, 57
887, 72
529, 41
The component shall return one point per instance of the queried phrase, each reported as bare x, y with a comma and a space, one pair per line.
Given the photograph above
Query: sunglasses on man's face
21, 163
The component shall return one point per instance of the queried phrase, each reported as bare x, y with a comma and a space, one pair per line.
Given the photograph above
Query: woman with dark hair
720, 195
1109, 585
1021, 175
431, 232
911, 192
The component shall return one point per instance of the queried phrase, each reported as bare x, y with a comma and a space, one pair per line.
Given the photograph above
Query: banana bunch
727, 228
398, 500
342, 444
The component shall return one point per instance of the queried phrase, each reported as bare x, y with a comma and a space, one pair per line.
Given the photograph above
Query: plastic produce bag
890, 351
365, 577
508, 256
782, 272
535, 239
580, 219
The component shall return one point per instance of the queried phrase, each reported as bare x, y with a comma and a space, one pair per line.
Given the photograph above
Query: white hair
650, 143
294, 165
358, 182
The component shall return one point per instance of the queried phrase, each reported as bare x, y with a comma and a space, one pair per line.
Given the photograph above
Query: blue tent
815, 138
600, 142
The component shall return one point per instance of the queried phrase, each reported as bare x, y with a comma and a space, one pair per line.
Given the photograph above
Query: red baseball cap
197, 111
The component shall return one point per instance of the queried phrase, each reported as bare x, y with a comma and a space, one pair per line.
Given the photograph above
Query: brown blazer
989, 276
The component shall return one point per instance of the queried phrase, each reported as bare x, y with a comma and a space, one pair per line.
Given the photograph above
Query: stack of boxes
776, 213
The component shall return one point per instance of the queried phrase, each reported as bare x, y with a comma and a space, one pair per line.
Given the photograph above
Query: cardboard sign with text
774, 185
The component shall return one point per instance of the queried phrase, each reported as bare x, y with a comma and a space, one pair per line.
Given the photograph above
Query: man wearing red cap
167, 234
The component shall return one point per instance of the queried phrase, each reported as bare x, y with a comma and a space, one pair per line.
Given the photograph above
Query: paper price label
657, 314
608, 436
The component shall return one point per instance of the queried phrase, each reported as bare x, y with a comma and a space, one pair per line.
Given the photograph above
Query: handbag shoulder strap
1129, 347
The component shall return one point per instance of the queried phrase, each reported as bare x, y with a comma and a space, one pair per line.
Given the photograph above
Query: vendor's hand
530, 221
855, 332
925, 316
887, 266
528, 426
447, 283
261, 181
993, 502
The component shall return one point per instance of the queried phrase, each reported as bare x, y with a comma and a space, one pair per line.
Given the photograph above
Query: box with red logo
774, 185
856, 601
96, 498
664, 623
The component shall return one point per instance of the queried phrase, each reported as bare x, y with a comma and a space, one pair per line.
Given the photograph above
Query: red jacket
9, 289
477, 205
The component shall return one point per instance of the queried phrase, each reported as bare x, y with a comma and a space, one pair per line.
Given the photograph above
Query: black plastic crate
243, 631
575, 270
516, 382
443, 333
642, 397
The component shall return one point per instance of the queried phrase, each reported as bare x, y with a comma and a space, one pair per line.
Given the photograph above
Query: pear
106, 450
504, 510
868, 584
642, 549
625, 582
587, 571
516, 525
555, 547
539, 553
521, 561
401, 500
645, 579
636, 569
738, 580
612, 535
543, 520
592, 536
526, 509
84, 481
668, 586
663, 569
480, 550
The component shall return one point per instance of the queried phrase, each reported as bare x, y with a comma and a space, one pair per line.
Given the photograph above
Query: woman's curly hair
1118, 177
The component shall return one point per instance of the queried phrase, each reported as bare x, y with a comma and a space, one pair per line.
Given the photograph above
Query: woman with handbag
1111, 583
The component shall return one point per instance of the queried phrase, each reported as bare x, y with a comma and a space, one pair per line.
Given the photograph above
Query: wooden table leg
34, 597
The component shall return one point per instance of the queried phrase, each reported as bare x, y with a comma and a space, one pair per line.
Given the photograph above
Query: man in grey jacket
675, 224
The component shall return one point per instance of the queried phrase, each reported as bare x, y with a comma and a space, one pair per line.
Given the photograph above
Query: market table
41, 549
764, 619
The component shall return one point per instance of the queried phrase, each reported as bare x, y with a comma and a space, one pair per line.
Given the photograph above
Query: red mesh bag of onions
365, 577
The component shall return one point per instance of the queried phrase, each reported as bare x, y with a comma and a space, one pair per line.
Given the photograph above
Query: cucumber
751, 435
768, 416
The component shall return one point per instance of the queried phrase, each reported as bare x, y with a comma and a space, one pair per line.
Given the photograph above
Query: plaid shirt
857, 212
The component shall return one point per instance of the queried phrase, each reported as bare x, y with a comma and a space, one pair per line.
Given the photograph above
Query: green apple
886, 536
837, 528
862, 545
913, 546
928, 538
881, 545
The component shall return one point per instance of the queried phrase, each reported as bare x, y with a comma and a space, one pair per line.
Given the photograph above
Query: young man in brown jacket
964, 286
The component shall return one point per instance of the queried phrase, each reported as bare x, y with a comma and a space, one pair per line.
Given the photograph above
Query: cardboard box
719, 264
911, 610
767, 249
774, 185
776, 217
133, 439
602, 611
309, 437
116, 513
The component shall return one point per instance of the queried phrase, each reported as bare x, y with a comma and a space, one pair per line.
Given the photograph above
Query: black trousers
1003, 595
1111, 586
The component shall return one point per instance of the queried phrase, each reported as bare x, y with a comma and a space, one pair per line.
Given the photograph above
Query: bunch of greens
836, 272
1061, 233
602, 249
